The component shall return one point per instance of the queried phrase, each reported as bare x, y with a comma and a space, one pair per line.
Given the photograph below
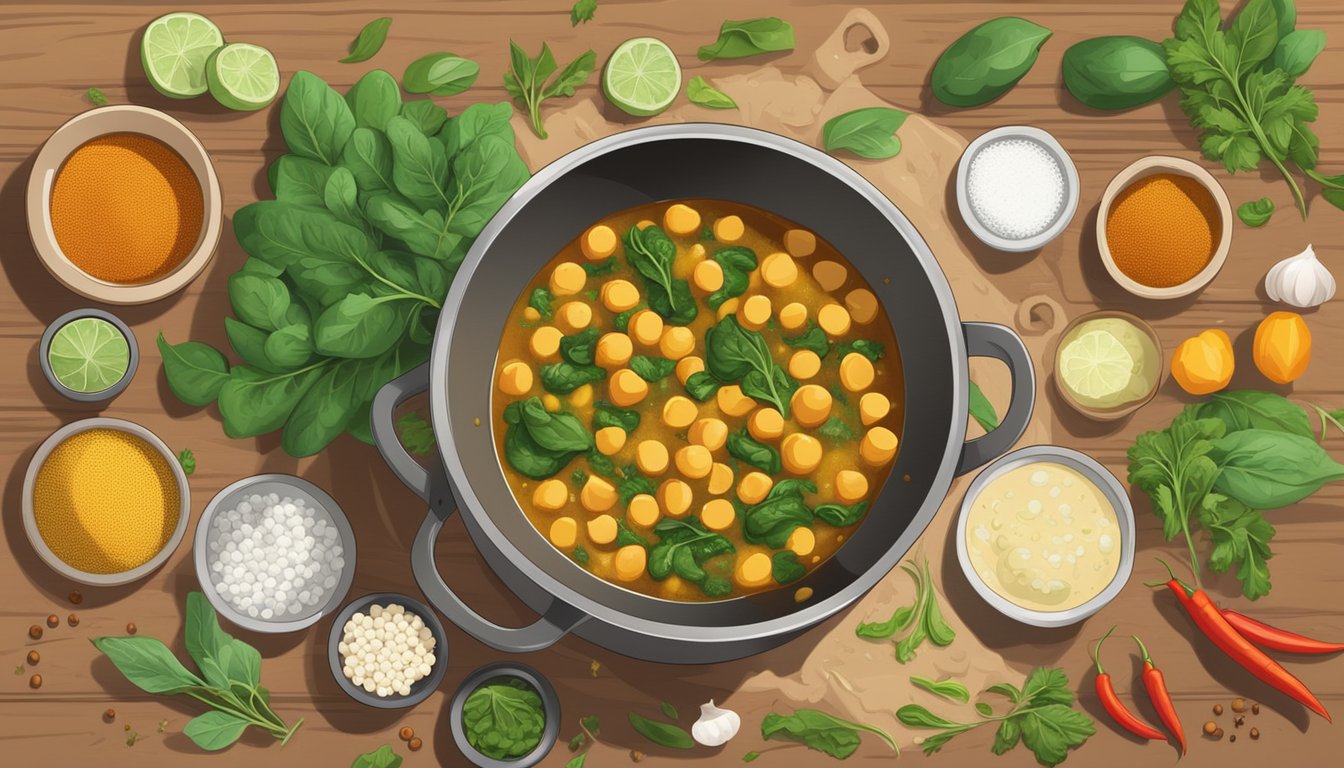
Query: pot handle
1002, 344
403, 465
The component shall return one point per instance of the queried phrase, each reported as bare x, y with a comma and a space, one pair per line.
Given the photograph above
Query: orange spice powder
1162, 230
126, 208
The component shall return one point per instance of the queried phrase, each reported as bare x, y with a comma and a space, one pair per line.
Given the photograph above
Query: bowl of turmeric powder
1164, 227
124, 205
105, 502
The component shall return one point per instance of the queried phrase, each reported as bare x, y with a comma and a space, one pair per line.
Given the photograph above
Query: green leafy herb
604, 267
504, 718
582, 12
813, 339
869, 132
836, 429
537, 443
924, 619
737, 263
1256, 213
417, 436
541, 300
749, 37
669, 711
782, 511
1237, 87
607, 415
873, 350
821, 732
577, 761
580, 555
622, 321
1116, 72
737, 354
440, 74
1042, 718
96, 97
948, 689
652, 253
785, 568
383, 757
750, 756
982, 410
565, 377
683, 548
839, 515
1268, 469
188, 461
701, 385
369, 41
699, 91
580, 348
662, 734
229, 679
196, 372
743, 447
987, 61
578, 477
529, 81
652, 369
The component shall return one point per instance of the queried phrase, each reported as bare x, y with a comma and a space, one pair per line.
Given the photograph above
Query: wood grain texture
53, 51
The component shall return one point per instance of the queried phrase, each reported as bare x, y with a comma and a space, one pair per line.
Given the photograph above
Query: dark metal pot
634, 168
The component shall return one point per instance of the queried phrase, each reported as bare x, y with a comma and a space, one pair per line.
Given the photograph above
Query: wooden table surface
52, 51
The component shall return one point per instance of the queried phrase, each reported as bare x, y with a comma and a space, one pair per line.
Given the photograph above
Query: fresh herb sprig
229, 679
188, 461
924, 619
529, 81
382, 757
1041, 716
582, 12
821, 732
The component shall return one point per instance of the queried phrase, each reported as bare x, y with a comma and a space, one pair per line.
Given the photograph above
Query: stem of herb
290, 733
1259, 132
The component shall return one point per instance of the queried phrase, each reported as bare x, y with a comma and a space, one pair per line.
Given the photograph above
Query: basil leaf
749, 37
785, 568
987, 61
582, 12
485, 174
383, 757
314, 119
662, 734
652, 369
258, 300
869, 132
1254, 34
554, 431
374, 99
441, 73
772, 521
215, 730
580, 348
1254, 409
821, 732
1256, 213
540, 300
1296, 50
195, 371
873, 350
1116, 72
699, 91
881, 630
419, 165
369, 41
147, 664
1265, 469
982, 410
743, 447
948, 689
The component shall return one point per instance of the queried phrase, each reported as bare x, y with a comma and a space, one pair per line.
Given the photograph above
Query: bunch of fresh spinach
504, 718
924, 618
1042, 717
538, 443
376, 205
1222, 460
737, 355
821, 732
684, 547
1237, 86
229, 679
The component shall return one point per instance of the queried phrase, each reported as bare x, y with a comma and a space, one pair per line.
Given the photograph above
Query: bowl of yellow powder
104, 502
124, 205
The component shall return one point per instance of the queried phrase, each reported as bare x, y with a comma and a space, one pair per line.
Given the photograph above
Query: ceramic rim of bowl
1118, 412
420, 689
103, 121
297, 486
30, 518
1066, 167
550, 704
1149, 166
44, 352
1110, 489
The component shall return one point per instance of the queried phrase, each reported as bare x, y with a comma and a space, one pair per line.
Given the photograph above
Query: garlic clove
1301, 281
716, 725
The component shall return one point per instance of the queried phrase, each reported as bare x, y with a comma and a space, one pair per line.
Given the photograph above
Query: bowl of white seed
1017, 188
387, 650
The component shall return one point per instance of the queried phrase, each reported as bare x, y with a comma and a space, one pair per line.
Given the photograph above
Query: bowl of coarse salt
387, 650
274, 553
1017, 188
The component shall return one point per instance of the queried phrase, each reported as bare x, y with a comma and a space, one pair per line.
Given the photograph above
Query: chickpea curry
697, 400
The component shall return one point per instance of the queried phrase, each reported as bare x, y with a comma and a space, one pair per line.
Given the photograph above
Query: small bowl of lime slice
1108, 364
89, 355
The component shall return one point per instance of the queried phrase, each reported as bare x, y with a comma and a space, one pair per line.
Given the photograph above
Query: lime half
1096, 365
243, 76
642, 77
89, 355
174, 50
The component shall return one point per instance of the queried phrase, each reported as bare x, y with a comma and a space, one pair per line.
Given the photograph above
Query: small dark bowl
44, 350
550, 704
423, 687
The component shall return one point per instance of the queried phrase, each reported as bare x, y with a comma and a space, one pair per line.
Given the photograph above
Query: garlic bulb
715, 726
1300, 281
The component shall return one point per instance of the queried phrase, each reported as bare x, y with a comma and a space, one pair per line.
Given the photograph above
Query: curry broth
764, 233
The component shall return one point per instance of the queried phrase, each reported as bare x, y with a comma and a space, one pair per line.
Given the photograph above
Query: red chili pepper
1275, 638
1114, 707
1157, 692
1211, 622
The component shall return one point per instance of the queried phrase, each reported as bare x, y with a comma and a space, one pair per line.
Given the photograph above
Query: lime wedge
642, 77
173, 52
243, 76
1096, 365
89, 355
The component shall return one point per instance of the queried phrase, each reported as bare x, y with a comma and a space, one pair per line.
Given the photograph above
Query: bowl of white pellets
1017, 188
274, 553
387, 650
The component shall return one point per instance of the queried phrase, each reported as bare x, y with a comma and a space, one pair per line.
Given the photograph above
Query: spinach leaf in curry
652, 253
739, 355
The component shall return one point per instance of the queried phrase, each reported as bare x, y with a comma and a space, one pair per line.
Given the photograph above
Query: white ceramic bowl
1111, 490
284, 485
1066, 167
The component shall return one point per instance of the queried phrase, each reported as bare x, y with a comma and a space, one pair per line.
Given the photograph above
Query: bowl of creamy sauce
1046, 536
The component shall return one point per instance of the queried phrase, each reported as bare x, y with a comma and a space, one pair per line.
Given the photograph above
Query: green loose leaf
987, 61
440, 74
869, 132
96, 97
147, 664
254, 402
1255, 409
982, 410
743, 447
737, 264
1241, 536
662, 734
669, 711
369, 41
652, 253
821, 732
1116, 72
774, 519
215, 730
737, 354
699, 91
565, 377
813, 339
1297, 50
948, 689
1266, 469
749, 37
383, 757
416, 434
1256, 213
196, 372
188, 461
785, 568
607, 415
582, 12
652, 369
373, 100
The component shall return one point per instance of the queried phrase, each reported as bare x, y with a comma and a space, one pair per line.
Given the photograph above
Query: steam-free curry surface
697, 400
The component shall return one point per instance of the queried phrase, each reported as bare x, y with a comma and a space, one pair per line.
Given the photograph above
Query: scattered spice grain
33, 658
1218, 734
130, 628
1163, 229
1232, 738
1255, 734
53, 621
1255, 709
1238, 705
1239, 721
76, 597
1210, 727
73, 620
415, 744
35, 682
406, 733
35, 632
109, 714
636, 755
1217, 709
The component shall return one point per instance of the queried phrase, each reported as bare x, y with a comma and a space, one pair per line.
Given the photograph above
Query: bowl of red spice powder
124, 205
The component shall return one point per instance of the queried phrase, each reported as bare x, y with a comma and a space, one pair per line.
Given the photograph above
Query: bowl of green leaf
505, 716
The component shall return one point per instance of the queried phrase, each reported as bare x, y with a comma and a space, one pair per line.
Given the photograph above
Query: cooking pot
633, 168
